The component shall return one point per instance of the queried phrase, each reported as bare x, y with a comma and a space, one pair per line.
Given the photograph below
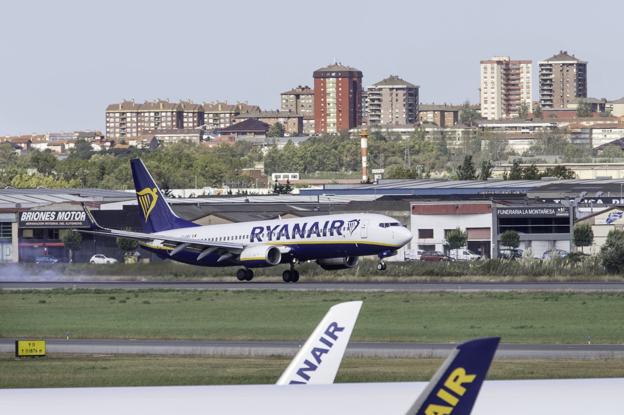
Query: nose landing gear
381, 266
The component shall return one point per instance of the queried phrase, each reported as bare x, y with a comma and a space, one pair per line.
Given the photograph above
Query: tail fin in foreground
318, 361
455, 386
156, 213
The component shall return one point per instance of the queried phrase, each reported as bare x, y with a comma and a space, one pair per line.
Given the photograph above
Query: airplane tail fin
318, 361
155, 211
455, 386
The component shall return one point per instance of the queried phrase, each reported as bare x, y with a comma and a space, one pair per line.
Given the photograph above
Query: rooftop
394, 81
563, 56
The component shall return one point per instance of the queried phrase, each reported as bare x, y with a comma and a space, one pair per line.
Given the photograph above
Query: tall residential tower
562, 78
337, 98
392, 101
505, 87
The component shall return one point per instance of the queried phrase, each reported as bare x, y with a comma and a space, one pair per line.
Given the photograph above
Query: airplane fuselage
317, 237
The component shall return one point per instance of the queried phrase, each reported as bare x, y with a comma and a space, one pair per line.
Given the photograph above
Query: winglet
93, 225
318, 361
455, 386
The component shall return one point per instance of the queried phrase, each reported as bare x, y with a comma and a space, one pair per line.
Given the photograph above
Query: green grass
274, 315
84, 371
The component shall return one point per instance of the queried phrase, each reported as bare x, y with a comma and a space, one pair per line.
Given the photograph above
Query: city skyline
74, 59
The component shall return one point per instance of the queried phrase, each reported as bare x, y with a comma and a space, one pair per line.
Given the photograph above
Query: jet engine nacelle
260, 256
331, 264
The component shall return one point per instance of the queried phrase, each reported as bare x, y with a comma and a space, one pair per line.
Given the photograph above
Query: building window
425, 233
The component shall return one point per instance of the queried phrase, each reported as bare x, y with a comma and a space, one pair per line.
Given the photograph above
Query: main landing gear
244, 274
381, 266
291, 275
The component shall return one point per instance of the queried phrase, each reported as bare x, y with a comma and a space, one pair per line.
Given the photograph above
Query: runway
289, 348
391, 286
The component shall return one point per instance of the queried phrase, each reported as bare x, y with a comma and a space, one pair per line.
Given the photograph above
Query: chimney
364, 153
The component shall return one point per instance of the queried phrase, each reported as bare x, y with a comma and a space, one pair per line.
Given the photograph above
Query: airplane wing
177, 244
455, 386
318, 361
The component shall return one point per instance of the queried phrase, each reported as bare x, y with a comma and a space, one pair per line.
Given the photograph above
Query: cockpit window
388, 224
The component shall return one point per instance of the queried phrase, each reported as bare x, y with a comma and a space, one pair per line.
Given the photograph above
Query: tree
510, 239
523, 111
468, 115
455, 239
485, 172
583, 235
516, 172
561, 172
537, 112
276, 130
584, 109
612, 252
43, 161
467, 170
82, 150
72, 241
128, 246
531, 172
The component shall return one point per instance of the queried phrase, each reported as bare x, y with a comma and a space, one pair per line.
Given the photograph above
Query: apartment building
505, 87
160, 115
221, 114
122, 120
299, 100
444, 116
192, 114
337, 98
392, 101
562, 78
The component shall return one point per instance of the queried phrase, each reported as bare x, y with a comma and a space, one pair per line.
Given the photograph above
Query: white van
463, 254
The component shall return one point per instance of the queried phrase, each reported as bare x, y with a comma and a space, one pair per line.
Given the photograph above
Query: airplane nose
404, 236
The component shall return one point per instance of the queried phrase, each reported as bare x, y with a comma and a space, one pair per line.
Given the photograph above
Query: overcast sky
63, 61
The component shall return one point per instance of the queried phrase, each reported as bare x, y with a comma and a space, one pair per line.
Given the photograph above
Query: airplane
453, 389
333, 241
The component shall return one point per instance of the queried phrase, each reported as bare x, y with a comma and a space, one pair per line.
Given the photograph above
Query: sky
64, 61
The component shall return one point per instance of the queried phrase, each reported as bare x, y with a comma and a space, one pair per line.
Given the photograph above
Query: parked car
554, 253
434, 256
509, 253
463, 254
102, 259
46, 259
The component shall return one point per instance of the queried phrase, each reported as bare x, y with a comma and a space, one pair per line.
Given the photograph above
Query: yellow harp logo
147, 200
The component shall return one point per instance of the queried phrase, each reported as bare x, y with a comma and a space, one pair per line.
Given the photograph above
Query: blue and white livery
333, 241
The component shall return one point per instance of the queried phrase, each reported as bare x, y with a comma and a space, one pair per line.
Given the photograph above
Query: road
325, 286
288, 348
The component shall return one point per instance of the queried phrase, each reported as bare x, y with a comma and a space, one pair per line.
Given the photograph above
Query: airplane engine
331, 264
260, 256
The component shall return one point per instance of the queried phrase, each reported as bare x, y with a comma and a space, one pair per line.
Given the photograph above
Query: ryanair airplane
333, 241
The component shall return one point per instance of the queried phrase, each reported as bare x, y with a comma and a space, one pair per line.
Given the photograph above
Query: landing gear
244, 274
291, 275
381, 266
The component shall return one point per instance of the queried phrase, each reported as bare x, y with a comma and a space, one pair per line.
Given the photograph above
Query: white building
505, 87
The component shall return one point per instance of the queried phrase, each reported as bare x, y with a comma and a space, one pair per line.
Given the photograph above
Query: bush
612, 252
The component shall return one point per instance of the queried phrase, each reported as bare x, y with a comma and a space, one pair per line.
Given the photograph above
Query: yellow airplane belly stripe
259, 258
330, 243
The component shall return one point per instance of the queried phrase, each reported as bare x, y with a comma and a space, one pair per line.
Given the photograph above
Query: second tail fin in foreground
318, 361
455, 386
156, 213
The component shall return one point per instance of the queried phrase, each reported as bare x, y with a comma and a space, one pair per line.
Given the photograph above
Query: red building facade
337, 98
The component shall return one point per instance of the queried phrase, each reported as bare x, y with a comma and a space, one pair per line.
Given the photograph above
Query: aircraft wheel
249, 275
286, 276
294, 276
381, 266
241, 274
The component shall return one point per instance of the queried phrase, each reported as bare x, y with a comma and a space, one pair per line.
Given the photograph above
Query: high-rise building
505, 87
562, 78
337, 98
298, 100
122, 120
392, 101
192, 114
